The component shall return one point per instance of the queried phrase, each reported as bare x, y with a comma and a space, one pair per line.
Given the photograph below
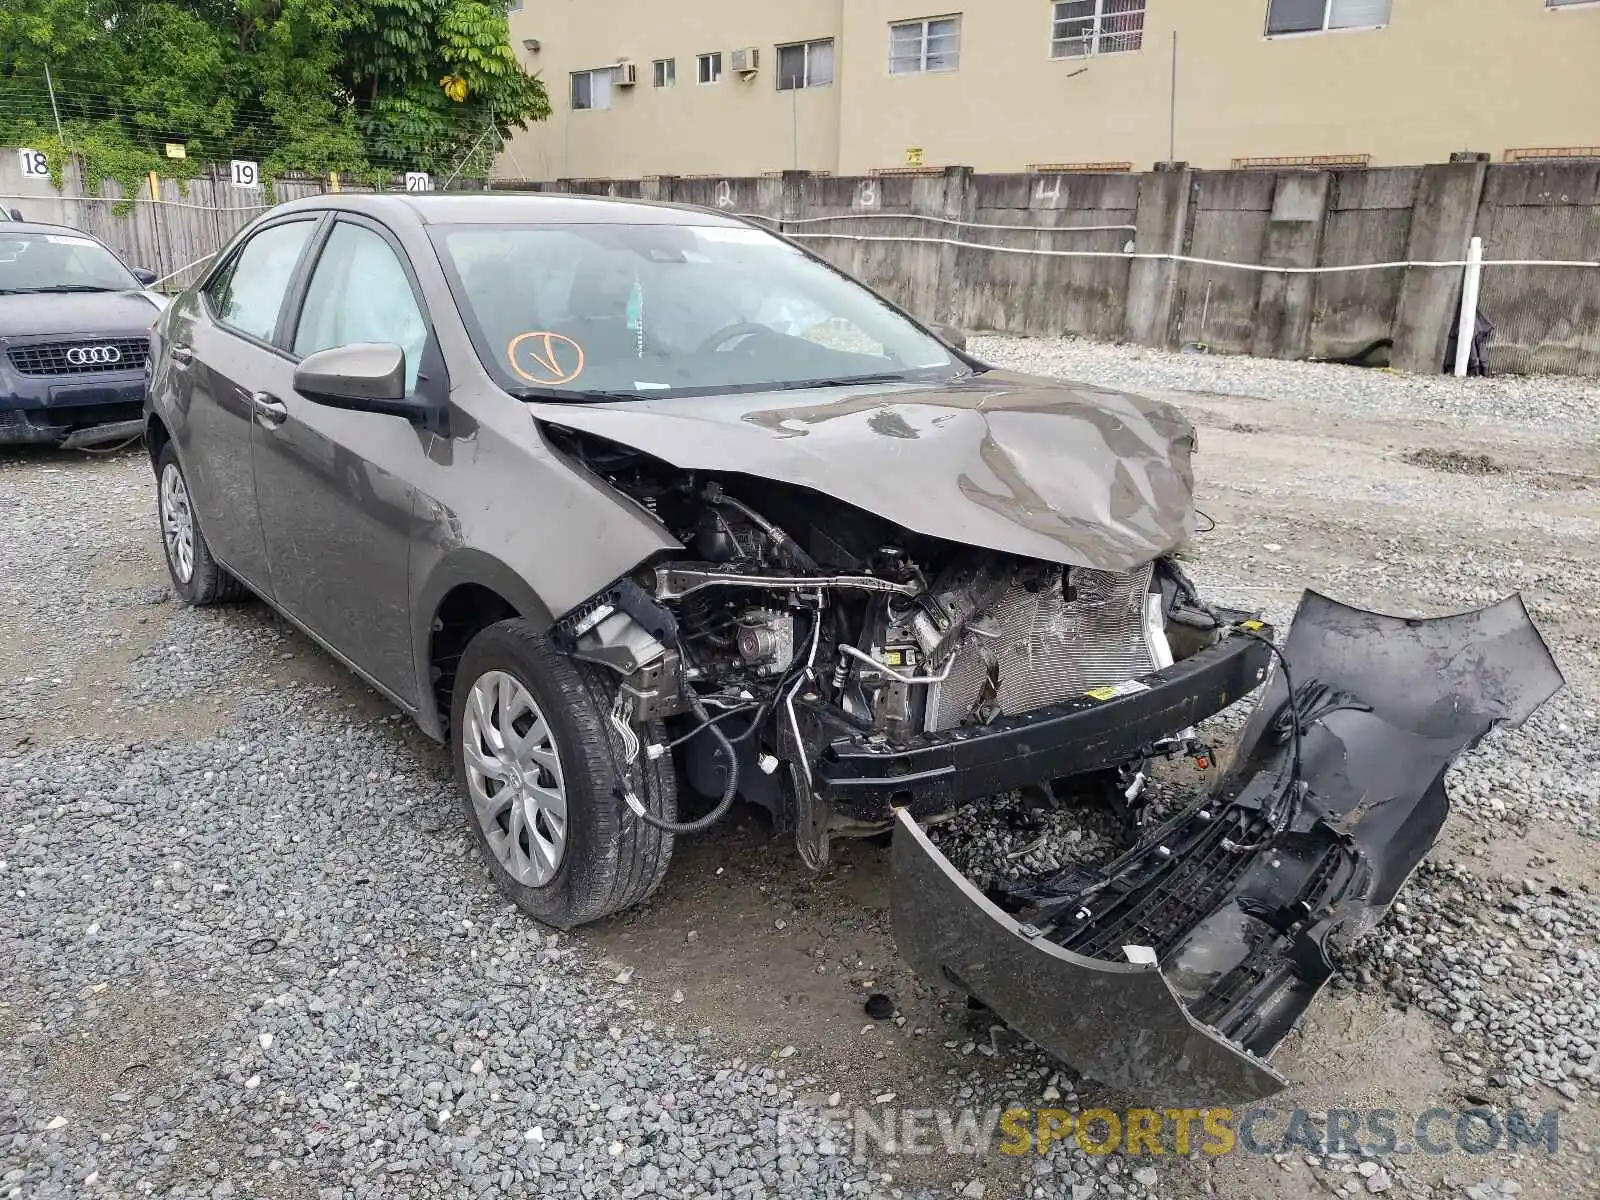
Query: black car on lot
74, 336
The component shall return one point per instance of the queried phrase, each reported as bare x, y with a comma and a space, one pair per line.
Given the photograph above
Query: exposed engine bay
851, 675
794, 618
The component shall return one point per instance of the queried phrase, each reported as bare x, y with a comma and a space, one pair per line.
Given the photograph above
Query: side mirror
951, 336
16, 214
145, 278
366, 375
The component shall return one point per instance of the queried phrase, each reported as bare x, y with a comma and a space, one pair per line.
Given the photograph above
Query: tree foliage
368, 87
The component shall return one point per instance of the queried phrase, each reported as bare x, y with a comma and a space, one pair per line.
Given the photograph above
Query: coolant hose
729, 790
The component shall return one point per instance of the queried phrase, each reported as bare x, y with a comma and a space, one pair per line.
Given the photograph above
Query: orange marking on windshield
555, 358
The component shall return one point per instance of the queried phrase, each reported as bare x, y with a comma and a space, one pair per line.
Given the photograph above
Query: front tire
197, 578
537, 764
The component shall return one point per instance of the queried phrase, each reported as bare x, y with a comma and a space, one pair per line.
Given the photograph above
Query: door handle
270, 411
180, 352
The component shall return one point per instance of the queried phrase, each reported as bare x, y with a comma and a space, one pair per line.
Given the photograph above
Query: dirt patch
1454, 461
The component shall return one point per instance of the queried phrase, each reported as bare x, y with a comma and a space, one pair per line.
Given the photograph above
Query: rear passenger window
249, 294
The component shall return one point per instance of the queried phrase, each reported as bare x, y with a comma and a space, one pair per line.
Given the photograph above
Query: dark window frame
1294, 18
924, 26
1098, 40
317, 218
803, 81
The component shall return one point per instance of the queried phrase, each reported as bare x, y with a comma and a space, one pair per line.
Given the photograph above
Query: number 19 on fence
246, 174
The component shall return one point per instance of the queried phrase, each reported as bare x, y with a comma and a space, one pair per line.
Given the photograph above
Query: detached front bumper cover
1173, 972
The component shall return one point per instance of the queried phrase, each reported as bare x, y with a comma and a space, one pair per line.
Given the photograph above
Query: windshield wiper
842, 381
72, 287
574, 395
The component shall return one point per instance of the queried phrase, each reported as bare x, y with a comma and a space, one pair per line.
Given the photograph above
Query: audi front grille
80, 357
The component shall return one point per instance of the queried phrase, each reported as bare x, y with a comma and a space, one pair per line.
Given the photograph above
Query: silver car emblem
84, 356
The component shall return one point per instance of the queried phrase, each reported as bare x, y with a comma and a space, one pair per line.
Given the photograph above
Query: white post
1470, 288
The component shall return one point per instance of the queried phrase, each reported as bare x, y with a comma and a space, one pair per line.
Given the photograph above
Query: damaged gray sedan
644, 510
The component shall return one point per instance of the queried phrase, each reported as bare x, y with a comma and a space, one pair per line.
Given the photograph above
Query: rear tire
537, 763
197, 578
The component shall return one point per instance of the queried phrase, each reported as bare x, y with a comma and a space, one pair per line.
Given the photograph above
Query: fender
464, 566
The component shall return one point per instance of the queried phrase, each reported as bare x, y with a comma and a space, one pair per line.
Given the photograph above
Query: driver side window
359, 293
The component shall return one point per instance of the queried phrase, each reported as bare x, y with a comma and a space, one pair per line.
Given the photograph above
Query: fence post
1441, 226
1471, 285
1160, 218
1294, 239
792, 198
959, 203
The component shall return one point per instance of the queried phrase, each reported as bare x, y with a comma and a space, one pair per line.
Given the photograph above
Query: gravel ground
245, 948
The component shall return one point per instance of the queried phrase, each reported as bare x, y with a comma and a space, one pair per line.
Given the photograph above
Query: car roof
512, 208
41, 227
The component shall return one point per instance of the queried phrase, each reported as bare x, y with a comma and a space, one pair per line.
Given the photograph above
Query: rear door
336, 487
221, 356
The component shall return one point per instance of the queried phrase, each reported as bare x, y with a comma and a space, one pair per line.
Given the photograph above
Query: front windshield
606, 310
58, 262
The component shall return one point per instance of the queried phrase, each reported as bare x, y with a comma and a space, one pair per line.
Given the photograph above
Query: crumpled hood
87, 314
1065, 472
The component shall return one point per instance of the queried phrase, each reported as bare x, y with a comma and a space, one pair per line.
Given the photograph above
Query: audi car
74, 337
643, 509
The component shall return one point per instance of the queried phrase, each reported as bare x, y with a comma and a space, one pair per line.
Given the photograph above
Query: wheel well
466, 611
155, 438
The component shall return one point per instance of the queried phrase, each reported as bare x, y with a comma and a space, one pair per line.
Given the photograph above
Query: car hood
1065, 472
77, 313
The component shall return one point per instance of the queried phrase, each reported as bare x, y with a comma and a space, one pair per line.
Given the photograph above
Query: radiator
1034, 649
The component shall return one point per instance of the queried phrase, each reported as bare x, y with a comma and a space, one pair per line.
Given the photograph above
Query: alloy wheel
514, 776
177, 522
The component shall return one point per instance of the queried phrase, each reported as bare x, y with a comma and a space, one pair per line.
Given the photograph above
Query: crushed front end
855, 667
889, 611
1175, 970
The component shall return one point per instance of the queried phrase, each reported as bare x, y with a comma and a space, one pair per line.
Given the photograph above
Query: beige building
745, 87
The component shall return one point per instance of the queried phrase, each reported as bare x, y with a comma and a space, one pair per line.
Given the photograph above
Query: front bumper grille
80, 356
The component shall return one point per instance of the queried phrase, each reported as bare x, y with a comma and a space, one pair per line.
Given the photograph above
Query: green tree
317, 85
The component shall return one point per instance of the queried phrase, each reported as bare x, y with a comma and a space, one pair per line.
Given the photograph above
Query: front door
333, 485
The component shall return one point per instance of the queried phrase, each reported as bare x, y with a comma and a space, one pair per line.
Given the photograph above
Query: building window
1314, 16
708, 67
805, 65
919, 46
1084, 27
592, 89
666, 72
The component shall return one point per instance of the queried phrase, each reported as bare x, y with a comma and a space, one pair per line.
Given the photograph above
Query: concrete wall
1440, 76
894, 232
1546, 318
